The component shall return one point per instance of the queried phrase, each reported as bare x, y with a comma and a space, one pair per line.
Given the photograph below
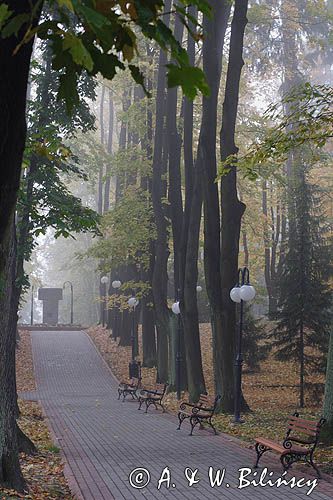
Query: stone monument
50, 298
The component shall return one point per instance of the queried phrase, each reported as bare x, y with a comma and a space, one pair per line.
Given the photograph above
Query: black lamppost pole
104, 281
72, 299
32, 306
241, 293
133, 302
116, 284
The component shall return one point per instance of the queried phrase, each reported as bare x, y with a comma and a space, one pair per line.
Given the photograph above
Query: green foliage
189, 79
104, 40
255, 346
139, 289
131, 161
304, 292
309, 121
44, 200
128, 230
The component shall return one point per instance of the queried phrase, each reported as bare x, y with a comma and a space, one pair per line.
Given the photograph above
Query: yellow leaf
128, 52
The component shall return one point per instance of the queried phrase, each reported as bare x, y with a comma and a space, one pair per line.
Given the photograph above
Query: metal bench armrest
149, 391
196, 409
183, 405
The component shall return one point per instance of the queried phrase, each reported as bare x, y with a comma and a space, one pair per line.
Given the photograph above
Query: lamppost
176, 310
133, 366
32, 306
72, 299
116, 284
104, 281
242, 292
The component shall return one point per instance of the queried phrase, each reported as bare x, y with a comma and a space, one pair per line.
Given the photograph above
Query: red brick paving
103, 439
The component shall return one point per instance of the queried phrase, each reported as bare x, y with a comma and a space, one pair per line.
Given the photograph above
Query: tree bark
232, 210
149, 352
12, 142
101, 170
328, 397
176, 212
160, 276
215, 29
107, 185
190, 246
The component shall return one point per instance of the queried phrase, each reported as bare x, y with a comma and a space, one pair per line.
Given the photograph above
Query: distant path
104, 439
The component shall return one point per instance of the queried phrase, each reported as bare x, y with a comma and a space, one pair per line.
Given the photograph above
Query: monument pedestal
50, 298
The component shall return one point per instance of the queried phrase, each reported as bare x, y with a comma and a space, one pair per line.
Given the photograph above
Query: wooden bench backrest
205, 401
310, 428
135, 381
161, 388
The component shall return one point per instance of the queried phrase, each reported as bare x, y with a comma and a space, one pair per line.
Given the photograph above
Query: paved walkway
104, 439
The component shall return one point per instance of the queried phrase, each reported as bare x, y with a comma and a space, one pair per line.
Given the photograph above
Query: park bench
153, 396
129, 388
295, 447
197, 413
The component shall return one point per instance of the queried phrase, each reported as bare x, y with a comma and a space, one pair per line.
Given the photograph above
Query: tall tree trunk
190, 246
10, 473
101, 170
176, 212
215, 29
328, 398
160, 276
24, 443
12, 142
149, 351
100, 201
273, 241
232, 210
107, 185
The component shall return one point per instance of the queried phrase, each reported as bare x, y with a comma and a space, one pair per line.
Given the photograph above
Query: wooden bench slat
293, 423
309, 423
279, 448
304, 431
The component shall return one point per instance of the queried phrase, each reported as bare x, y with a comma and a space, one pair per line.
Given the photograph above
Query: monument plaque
50, 298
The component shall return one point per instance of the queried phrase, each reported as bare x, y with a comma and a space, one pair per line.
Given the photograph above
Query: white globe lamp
175, 308
116, 284
247, 292
133, 302
235, 294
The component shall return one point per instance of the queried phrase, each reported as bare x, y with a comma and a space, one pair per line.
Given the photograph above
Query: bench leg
148, 403
260, 449
193, 421
287, 461
161, 405
181, 418
212, 426
313, 465
119, 393
140, 403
